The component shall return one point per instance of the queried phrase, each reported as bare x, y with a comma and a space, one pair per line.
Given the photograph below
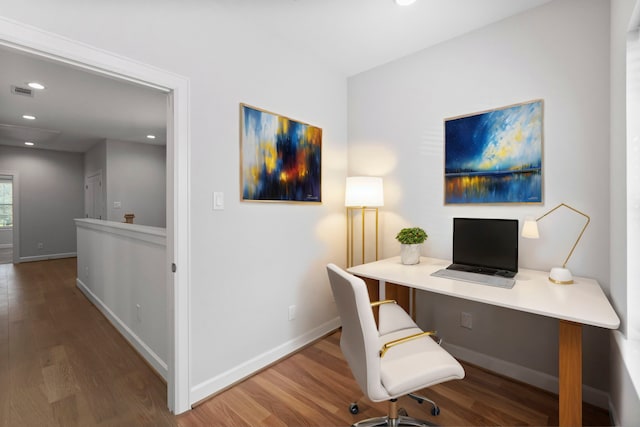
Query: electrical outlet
466, 320
292, 312
40, 245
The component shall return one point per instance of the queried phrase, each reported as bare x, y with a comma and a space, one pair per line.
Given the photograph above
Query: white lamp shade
530, 229
364, 191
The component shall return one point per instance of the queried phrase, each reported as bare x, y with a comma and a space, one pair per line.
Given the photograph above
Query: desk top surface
582, 302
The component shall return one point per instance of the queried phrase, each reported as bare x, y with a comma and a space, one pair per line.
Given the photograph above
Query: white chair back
360, 340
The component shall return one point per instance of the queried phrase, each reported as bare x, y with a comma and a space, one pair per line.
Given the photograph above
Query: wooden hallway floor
61, 361
63, 364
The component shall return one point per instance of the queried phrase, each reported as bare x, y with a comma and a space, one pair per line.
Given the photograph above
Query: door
93, 196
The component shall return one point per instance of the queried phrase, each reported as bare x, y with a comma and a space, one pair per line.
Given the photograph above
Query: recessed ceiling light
151, 136
28, 117
404, 2
36, 85
29, 143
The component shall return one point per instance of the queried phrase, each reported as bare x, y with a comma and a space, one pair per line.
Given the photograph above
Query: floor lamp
363, 193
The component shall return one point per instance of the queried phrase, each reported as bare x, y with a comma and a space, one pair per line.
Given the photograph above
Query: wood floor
63, 364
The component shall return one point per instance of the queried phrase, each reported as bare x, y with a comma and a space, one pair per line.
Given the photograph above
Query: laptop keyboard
483, 279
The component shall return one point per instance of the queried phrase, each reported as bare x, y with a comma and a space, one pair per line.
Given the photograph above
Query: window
6, 203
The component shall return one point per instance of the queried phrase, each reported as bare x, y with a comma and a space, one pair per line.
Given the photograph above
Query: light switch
218, 201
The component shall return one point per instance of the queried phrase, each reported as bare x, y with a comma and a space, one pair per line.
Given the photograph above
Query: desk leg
570, 372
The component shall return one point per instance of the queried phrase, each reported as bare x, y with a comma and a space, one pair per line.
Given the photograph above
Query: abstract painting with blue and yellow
495, 156
280, 158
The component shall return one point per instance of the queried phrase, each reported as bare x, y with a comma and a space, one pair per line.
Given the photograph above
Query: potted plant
410, 241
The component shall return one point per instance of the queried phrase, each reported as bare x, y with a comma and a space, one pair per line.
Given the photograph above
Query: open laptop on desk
485, 250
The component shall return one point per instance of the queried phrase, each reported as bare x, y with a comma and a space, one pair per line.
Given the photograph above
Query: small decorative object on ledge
128, 218
410, 241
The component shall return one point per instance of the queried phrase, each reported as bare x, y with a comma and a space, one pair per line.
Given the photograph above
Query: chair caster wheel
435, 411
420, 401
353, 408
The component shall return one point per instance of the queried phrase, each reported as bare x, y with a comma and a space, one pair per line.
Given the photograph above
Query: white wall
558, 52
136, 177
251, 261
50, 197
6, 238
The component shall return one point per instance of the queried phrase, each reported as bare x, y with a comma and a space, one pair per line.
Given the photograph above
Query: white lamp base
560, 276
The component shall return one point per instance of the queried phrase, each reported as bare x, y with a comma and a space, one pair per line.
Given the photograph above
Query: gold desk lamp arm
564, 264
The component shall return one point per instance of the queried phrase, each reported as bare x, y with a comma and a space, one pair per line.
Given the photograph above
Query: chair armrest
393, 343
387, 301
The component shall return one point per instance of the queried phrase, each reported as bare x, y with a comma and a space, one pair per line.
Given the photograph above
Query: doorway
80, 55
93, 195
6, 219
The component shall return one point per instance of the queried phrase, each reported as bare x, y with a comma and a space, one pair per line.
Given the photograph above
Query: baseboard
6, 246
226, 379
530, 376
145, 351
48, 257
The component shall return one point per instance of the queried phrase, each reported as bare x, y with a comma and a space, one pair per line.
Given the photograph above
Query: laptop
485, 250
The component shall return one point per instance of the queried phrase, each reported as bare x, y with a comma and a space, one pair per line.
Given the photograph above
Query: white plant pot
410, 254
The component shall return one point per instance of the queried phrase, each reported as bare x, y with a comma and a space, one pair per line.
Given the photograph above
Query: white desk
582, 303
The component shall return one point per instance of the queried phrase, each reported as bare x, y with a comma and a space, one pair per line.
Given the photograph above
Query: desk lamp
559, 275
363, 193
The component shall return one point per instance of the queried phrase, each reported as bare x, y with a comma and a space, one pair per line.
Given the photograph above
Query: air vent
24, 91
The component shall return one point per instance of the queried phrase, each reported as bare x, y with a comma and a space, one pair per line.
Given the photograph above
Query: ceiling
357, 35
79, 108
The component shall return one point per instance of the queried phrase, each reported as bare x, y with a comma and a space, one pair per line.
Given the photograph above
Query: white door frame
49, 45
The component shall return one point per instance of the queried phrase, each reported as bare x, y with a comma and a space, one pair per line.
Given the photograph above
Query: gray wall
558, 52
136, 177
50, 197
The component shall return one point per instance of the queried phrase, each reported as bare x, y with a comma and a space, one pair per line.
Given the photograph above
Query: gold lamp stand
363, 194
350, 227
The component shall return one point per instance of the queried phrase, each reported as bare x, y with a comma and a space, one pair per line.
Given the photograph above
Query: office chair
394, 359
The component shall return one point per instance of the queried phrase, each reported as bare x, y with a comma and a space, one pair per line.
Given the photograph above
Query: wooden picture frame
280, 158
495, 156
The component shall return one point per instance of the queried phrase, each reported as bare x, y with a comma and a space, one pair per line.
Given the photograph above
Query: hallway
61, 361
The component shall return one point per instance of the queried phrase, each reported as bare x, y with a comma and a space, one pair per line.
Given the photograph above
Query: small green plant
411, 236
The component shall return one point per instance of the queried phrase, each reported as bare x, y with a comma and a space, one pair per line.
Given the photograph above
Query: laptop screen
484, 242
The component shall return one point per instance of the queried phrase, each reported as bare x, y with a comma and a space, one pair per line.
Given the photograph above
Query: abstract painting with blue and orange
281, 158
495, 156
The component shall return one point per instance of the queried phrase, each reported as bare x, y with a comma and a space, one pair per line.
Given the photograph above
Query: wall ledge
145, 233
